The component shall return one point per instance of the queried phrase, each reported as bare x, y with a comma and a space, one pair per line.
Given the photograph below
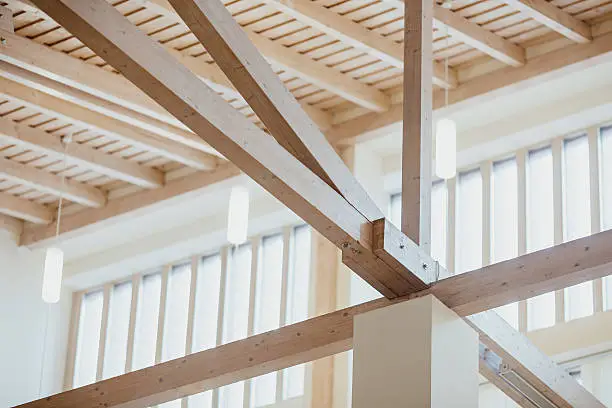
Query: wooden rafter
24, 209
553, 17
571, 58
77, 114
49, 183
332, 333
147, 65
76, 154
217, 30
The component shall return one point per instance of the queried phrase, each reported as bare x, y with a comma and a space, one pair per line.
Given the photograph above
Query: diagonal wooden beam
473, 35
148, 66
24, 209
217, 30
77, 114
554, 18
51, 184
332, 333
356, 35
82, 155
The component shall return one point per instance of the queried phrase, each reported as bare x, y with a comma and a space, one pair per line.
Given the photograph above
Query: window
439, 222
504, 223
117, 332
577, 218
146, 322
177, 309
605, 182
86, 358
469, 222
540, 229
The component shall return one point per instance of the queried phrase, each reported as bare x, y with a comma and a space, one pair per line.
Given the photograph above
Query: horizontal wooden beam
49, 183
355, 35
24, 209
107, 86
571, 58
11, 224
554, 18
332, 333
77, 114
302, 66
473, 35
82, 155
72, 224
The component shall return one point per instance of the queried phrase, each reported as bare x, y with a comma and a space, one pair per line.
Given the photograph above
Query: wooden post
416, 145
418, 353
325, 259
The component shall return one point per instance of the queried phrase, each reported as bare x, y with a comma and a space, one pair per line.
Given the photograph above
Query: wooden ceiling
342, 60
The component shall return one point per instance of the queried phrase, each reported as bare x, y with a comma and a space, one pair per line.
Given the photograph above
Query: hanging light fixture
238, 215
54, 257
446, 136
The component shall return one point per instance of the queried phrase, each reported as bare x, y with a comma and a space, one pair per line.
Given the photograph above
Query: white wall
22, 327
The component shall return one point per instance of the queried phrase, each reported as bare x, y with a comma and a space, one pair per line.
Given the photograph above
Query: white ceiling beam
356, 35
77, 114
554, 18
23, 209
81, 155
49, 183
473, 35
227, 43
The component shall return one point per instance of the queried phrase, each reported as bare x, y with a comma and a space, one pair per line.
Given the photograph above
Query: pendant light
446, 135
54, 256
238, 215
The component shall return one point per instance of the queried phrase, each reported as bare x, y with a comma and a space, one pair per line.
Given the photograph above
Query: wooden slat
553, 17
24, 209
51, 184
81, 155
305, 67
245, 67
329, 334
355, 35
72, 223
145, 63
77, 114
473, 35
417, 120
571, 59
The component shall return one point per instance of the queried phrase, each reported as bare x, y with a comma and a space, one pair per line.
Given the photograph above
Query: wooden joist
570, 58
356, 35
82, 116
303, 67
332, 333
111, 87
217, 30
147, 65
473, 35
24, 209
554, 18
49, 183
82, 155
122, 206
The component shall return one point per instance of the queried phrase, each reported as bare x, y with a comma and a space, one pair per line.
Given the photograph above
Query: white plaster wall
23, 317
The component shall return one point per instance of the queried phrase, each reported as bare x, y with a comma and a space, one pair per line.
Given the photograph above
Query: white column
416, 354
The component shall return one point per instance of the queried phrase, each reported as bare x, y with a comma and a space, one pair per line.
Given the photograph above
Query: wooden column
416, 145
325, 260
418, 353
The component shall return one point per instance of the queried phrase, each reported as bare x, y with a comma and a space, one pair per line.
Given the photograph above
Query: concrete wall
23, 318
